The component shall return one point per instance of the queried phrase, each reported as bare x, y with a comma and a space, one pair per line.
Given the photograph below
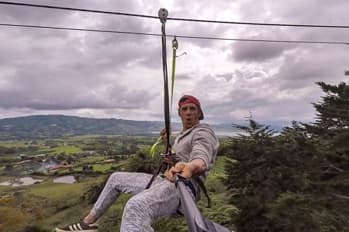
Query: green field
45, 205
66, 150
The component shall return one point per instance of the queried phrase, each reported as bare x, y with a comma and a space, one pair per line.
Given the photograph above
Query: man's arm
186, 169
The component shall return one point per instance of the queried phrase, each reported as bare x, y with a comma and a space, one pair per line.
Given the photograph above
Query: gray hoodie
198, 142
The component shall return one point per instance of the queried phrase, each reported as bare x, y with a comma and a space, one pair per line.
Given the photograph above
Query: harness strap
203, 188
164, 164
190, 185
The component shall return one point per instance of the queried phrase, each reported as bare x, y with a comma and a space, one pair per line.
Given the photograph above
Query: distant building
109, 161
41, 156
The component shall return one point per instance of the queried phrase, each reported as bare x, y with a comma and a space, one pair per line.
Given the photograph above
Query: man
195, 149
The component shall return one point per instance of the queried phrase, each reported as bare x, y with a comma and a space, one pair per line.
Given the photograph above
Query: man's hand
187, 170
163, 134
182, 168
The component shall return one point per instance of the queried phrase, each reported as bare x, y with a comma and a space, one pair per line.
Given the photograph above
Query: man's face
189, 114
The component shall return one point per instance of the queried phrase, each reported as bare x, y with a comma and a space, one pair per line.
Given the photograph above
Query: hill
51, 126
54, 126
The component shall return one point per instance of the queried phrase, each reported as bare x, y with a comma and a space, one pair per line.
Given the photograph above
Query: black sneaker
80, 226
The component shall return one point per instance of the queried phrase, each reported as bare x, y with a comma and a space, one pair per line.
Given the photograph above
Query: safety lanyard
174, 56
163, 13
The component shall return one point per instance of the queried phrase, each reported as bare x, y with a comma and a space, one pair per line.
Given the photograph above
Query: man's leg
118, 182
161, 200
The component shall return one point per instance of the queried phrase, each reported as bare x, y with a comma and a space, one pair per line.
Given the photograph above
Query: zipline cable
178, 36
76, 9
175, 18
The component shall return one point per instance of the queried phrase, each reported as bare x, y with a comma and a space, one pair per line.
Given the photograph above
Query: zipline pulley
163, 13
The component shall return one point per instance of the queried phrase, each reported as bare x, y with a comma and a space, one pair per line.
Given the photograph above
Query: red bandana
190, 99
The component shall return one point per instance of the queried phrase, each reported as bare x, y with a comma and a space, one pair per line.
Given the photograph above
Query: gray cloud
63, 74
307, 66
309, 12
102, 74
184, 76
62, 95
12, 13
262, 51
226, 76
257, 52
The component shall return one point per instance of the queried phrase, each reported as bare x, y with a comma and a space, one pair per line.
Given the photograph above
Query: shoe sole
59, 230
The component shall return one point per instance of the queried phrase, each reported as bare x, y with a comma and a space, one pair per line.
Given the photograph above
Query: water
23, 181
27, 180
65, 179
222, 133
219, 133
28, 167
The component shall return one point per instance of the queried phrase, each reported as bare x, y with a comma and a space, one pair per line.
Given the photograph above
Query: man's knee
137, 215
114, 175
137, 206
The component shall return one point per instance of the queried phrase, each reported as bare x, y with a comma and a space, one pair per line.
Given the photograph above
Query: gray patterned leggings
145, 206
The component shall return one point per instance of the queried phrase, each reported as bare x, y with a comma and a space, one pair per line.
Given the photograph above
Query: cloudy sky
106, 75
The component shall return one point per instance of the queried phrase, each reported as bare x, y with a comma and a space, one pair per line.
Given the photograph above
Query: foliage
93, 191
142, 161
34, 228
17, 213
13, 219
330, 133
298, 180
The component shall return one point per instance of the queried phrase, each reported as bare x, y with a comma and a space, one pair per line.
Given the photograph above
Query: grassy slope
55, 204
66, 204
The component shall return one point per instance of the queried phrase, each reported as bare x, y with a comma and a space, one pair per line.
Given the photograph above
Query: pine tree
298, 180
266, 172
330, 133
247, 178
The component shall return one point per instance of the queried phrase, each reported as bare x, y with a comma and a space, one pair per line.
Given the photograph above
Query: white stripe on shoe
79, 226
76, 228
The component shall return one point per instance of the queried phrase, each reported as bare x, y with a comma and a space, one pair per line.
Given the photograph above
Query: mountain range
55, 126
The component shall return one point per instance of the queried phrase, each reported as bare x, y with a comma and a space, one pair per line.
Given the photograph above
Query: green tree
298, 180
143, 162
247, 178
330, 133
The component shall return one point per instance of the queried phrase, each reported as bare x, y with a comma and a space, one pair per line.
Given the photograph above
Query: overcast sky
104, 75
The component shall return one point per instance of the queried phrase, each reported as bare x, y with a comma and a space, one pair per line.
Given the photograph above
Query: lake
23, 181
